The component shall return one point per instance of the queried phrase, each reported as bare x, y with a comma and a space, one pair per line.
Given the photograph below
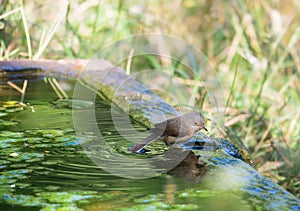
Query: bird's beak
204, 128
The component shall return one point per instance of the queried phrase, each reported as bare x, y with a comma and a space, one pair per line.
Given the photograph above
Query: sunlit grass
253, 46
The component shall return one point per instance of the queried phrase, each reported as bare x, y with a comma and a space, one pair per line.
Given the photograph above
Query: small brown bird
179, 129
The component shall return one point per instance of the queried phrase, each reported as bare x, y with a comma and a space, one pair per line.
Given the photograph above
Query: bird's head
197, 121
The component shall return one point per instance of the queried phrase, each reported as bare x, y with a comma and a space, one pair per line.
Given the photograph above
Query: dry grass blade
128, 65
9, 13
235, 41
54, 87
13, 85
25, 83
264, 136
282, 155
293, 125
16, 87
237, 119
64, 94
26, 32
53, 29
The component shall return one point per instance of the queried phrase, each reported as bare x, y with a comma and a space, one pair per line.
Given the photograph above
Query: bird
176, 130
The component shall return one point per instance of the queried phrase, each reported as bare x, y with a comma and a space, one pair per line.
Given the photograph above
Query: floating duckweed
11, 141
52, 188
66, 197
22, 185
14, 109
4, 145
18, 165
8, 134
73, 142
150, 206
185, 207
16, 172
7, 123
53, 133
27, 156
45, 133
196, 193
3, 114
36, 167
98, 185
33, 140
24, 200
4, 179
65, 139
14, 154
55, 207
50, 162
148, 199
2, 167
10, 103
68, 130
4, 162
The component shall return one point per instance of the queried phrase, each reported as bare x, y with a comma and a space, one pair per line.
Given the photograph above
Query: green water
43, 166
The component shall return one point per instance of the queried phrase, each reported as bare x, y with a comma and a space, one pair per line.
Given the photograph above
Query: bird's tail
139, 146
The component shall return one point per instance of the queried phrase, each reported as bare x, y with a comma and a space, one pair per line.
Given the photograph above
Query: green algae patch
66, 197
24, 200
61, 208
4, 123
192, 199
150, 206
45, 133
26, 158
11, 134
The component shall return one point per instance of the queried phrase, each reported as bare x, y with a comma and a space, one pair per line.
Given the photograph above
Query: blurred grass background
253, 45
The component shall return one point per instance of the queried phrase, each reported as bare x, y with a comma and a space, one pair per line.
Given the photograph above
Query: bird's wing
160, 126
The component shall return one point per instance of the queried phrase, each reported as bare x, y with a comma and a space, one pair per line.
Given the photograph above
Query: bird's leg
180, 140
